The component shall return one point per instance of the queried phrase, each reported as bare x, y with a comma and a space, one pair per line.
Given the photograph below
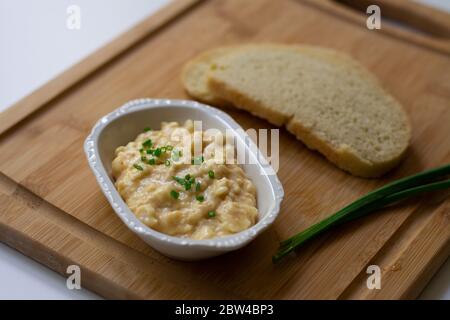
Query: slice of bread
325, 98
194, 76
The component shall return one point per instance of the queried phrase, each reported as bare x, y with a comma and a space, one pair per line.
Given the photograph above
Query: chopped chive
167, 163
200, 198
147, 143
174, 194
152, 161
169, 148
175, 156
149, 151
147, 129
179, 180
198, 186
211, 174
138, 167
186, 182
198, 160
211, 214
157, 152
144, 159
163, 149
141, 150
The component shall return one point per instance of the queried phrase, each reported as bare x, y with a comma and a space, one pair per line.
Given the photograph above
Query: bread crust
194, 77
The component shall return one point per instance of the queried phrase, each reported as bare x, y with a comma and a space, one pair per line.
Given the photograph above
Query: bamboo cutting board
53, 211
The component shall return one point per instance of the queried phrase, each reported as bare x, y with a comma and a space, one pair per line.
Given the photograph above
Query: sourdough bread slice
325, 98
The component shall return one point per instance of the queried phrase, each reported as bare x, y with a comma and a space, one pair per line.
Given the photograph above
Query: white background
35, 46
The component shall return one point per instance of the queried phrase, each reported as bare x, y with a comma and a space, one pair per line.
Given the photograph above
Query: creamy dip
200, 198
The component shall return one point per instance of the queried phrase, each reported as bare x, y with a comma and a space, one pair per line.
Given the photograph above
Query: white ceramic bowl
124, 124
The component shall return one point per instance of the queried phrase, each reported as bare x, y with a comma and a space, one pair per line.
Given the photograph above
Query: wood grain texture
53, 210
397, 20
413, 14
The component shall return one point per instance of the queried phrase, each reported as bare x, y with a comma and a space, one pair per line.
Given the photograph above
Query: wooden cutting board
53, 211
